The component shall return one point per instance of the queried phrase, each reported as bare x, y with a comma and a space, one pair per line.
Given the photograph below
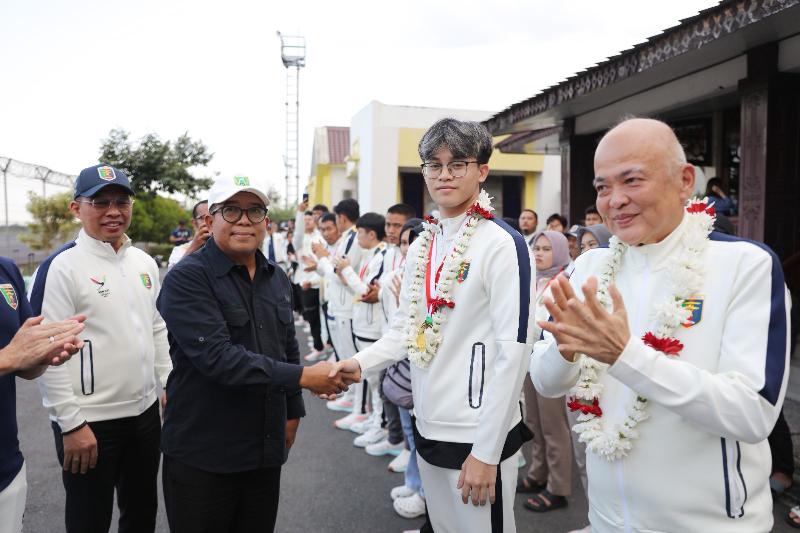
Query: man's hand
477, 479
319, 249
340, 263
199, 239
291, 431
349, 368
371, 296
36, 344
163, 401
586, 327
305, 285
310, 264
80, 450
397, 282
302, 207
322, 380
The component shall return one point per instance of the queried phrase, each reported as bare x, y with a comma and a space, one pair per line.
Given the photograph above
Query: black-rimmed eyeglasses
457, 169
123, 203
232, 213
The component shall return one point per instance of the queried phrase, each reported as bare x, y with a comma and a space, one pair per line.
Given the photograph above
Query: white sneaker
400, 462
370, 437
315, 355
341, 404
410, 507
346, 422
401, 492
366, 425
385, 448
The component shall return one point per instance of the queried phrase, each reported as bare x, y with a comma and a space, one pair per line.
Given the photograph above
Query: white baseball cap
225, 187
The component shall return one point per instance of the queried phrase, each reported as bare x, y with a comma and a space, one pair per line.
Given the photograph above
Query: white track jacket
701, 462
114, 375
470, 391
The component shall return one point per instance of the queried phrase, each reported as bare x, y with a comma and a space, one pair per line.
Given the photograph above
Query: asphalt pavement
328, 485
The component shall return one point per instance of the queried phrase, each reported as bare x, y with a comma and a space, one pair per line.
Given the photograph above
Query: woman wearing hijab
549, 478
596, 236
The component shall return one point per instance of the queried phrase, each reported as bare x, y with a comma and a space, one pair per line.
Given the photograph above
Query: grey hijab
599, 231
560, 253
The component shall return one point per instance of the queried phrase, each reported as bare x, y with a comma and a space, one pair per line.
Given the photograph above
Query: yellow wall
529, 189
407, 155
319, 186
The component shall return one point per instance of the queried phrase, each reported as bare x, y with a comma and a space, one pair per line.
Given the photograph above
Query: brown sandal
528, 485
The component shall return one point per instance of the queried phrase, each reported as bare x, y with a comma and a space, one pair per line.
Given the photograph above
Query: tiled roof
338, 143
691, 34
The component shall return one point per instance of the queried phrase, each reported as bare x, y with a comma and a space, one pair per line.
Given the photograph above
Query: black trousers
198, 501
780, 444
128, 457
310, 300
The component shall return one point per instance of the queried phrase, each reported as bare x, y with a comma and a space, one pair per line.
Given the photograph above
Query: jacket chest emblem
100, 284
146, 281
9, 295
463, 271
695, 308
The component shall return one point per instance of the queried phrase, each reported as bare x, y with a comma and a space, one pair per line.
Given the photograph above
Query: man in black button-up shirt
234, 396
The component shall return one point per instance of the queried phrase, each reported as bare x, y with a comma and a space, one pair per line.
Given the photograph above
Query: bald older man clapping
673, 345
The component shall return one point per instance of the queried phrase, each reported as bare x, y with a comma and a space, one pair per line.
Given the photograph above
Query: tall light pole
293, 55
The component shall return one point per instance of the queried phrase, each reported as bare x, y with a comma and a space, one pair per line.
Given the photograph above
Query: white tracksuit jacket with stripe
470, 391
701, 462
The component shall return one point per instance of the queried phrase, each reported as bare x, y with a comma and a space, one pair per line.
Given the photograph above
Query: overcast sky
72, 71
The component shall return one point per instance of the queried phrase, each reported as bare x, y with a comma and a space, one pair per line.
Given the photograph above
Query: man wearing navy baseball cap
103, 403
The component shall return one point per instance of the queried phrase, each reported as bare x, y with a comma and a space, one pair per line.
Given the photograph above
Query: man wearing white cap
234, 396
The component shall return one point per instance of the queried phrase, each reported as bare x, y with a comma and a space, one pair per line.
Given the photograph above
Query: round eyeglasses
232, 213
457, 169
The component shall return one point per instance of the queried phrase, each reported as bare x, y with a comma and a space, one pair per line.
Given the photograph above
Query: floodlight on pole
293, 55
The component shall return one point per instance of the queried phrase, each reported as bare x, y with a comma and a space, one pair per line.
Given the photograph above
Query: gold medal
421, 339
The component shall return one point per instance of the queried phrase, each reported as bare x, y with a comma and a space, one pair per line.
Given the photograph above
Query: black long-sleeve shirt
236, 363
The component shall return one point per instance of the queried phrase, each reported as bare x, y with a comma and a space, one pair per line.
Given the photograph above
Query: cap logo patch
9, 295
107, 173
241, 181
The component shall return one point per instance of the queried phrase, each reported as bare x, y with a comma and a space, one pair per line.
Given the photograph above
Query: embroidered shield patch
107, 173
695, 308
463, 271
9, 295
148, 284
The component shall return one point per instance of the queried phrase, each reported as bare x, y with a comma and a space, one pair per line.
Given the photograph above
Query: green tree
154, 218
53, 222
155, 165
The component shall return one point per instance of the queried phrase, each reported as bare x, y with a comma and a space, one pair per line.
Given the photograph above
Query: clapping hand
319, 249
311, 265
38, 344
325, 380
585, 326
371, 296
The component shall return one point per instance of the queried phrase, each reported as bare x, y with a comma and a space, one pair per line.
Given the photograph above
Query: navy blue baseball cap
92, 179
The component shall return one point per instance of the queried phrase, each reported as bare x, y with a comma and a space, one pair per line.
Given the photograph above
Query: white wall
548, 189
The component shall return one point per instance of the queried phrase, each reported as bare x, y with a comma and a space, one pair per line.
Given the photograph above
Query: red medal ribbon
428, 300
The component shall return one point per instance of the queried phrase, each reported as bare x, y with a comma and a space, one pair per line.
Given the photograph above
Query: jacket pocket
87, 368
477, 370
235, 315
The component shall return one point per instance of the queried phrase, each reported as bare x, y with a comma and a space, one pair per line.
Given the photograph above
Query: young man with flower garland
677, 365
465, 323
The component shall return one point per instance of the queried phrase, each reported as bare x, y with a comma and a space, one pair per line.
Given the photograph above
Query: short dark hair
591, 209
327, 217
402, 209
464, 139
309, 213
349, 208
560, 218
530, 211
320, 207
198, 204
373, 222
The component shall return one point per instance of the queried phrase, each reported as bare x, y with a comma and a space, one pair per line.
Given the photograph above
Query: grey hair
464, 140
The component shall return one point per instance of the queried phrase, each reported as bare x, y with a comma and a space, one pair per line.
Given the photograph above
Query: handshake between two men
327, 380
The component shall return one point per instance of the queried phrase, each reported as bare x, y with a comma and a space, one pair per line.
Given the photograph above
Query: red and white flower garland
423, 330
685, 274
